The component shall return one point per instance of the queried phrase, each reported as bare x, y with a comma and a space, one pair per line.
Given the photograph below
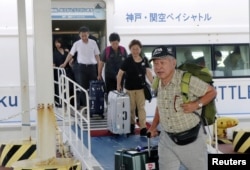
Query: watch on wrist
200, 104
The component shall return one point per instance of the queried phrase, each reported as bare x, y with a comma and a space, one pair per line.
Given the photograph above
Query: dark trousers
70, 74
84, 73
110, 84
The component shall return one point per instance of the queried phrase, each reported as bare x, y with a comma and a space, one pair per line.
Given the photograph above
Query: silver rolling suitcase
118, 112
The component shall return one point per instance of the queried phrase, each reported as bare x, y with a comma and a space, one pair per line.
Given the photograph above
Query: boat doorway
69, 16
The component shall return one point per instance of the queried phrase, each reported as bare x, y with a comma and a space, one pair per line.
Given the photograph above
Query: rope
61, 146
16, 115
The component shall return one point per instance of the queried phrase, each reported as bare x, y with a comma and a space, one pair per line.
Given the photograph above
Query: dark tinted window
230, 60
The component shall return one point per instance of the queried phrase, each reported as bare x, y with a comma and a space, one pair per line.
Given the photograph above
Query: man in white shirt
88, 61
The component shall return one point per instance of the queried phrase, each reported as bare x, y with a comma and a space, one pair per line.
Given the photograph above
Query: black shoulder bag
146, 86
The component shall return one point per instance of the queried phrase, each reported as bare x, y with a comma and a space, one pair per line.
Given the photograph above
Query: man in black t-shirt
112, 56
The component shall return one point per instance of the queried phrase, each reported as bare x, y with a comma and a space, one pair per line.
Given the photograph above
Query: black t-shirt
58, 59
134, 73
113, 62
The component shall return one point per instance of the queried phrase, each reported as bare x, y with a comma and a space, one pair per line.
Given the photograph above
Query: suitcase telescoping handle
149, 145
120, 93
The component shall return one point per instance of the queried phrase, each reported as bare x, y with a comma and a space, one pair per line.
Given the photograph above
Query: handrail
73, 119
57, 72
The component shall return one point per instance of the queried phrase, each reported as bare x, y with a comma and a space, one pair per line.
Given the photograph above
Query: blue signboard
77, 13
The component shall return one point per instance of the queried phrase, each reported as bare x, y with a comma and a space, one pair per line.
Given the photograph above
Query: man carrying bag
181, 139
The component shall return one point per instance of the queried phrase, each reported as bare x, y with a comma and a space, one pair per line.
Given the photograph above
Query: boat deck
104, 147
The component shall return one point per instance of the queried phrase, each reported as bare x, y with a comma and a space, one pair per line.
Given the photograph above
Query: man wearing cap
177, 118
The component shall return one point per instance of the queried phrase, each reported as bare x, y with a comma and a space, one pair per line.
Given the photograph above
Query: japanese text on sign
165, 17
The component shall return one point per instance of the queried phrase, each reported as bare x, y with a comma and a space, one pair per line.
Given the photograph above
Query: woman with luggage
135, 68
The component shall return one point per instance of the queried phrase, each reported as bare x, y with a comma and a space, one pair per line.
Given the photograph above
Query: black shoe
143, 132
132, 129
58, 105
137, 120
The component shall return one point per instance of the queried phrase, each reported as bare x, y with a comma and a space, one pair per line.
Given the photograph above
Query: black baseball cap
161, 52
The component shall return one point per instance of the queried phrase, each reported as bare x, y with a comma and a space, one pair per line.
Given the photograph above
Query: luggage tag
150, 166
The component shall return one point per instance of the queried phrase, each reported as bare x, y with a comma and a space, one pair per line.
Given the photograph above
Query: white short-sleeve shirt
86, 52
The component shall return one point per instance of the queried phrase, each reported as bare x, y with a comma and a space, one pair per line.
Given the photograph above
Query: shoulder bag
146, 86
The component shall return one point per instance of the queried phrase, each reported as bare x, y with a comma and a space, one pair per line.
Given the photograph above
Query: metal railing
58, 89
77, 135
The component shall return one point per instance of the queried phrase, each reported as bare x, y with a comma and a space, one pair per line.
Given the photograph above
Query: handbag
146, 87
186, 137
147, 92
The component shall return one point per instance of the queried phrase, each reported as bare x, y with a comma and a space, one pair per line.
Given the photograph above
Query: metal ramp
97, 122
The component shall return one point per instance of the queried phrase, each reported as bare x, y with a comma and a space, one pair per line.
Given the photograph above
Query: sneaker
58, 105
143, 132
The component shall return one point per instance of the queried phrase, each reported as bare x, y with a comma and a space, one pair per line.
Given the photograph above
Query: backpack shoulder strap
122, 49
108, 49
155, 83
107, 52
185, 85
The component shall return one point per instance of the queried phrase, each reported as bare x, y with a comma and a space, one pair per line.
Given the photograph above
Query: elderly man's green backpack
203, 73
209, 110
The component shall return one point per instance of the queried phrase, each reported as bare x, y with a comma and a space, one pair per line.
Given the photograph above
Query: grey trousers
193, 156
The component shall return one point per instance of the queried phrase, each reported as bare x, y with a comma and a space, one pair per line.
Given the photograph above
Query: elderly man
176, 118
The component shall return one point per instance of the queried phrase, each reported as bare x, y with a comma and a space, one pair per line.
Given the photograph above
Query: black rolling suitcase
96, 97
145, 158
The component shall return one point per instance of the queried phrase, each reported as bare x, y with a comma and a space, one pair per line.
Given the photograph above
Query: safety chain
15, 115
63, 149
